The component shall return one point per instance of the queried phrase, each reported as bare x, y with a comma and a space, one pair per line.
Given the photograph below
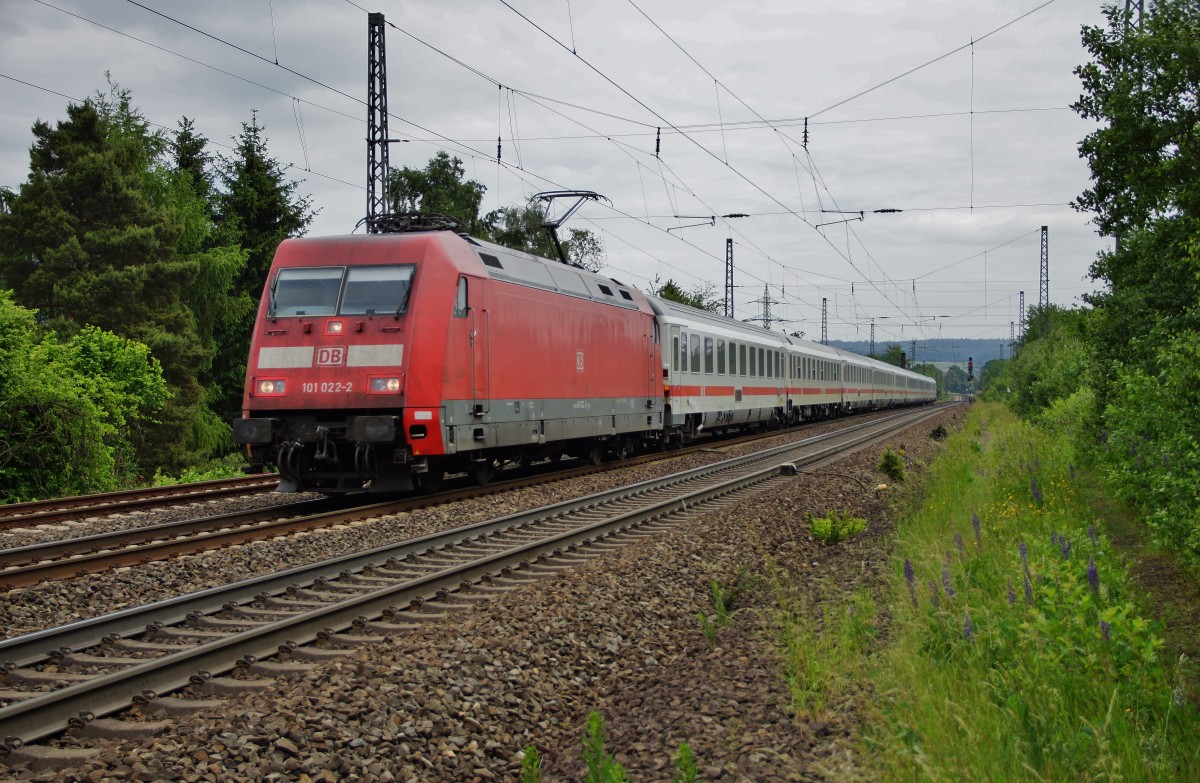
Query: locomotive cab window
460, 299
378, 290
306, 291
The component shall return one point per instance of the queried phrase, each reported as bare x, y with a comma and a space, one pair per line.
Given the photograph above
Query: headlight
333, 327
273, 387
385, 385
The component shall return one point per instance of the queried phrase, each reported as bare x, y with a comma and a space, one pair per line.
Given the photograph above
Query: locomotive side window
708, 356
695, 345
376, 289
460, 299
306, 291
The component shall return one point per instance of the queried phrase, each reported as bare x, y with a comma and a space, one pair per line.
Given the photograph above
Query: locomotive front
332, 361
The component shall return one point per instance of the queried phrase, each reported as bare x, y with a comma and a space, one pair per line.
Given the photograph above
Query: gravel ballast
459, 700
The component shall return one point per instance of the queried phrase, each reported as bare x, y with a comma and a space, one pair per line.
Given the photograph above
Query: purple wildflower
1093, 574
1012, 596
1024, 550
934, 598
968, 628
1033, 489
910, 576
1064, 546
1105, 631
978, 529
1092, 534
1071, 466
958, 542
947, 584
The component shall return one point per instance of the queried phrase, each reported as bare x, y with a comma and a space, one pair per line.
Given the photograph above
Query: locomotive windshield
376, 289
306, 291
360, 290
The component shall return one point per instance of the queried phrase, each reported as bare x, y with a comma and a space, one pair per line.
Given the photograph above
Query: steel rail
37, 512
37, 717
31, 648
67, 558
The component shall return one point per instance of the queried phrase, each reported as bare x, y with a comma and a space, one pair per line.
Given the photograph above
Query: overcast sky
978, 148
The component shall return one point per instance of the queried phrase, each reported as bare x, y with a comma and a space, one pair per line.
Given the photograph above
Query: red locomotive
382, 362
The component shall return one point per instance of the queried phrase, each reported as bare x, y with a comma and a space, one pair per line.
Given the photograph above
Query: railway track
64, 559
39, 512
76, 674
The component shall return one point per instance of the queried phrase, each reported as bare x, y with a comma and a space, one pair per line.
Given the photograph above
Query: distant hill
946, 350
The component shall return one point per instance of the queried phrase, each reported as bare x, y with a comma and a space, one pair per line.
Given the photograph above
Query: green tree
703, 296
520, 227
956, 380
439, 187
893, 354
1141, 85
257, 207
442, 187
67, 410
92, 238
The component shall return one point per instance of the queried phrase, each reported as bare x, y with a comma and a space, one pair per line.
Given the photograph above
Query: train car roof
515, 266
672, 309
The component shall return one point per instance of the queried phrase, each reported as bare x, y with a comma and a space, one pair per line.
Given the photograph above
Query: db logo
334, 356
579, 361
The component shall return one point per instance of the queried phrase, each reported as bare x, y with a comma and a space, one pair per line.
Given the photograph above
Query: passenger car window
742, 358
695, 353
708, 356
720, 357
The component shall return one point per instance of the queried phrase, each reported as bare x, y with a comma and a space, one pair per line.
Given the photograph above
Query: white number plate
327, 387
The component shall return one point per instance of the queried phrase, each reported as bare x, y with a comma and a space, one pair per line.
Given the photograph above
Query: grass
1016, 650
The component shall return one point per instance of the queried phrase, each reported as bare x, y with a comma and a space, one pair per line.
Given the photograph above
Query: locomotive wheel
595, 455
483, 472
430, 482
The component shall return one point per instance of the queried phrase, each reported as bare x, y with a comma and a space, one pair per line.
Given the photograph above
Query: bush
836, 527
67, 408
891, 465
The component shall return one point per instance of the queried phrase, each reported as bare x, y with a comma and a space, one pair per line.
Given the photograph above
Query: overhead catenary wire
514, 133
